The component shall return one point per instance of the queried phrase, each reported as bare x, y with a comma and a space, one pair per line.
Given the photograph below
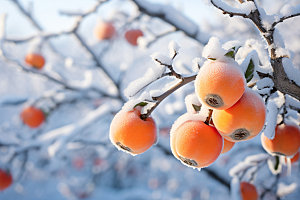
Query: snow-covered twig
171, 16
280, 78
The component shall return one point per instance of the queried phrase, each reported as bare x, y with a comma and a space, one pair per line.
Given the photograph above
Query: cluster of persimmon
5, 179
238, 114
106, 30
32, 116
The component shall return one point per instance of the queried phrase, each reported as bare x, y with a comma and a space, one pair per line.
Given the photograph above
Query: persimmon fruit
196, 144
285, 142
244, 120
132, 134
132, 36
248, 191
227, 146
219, 85
32, 116
35, 60
104, 30
5, 179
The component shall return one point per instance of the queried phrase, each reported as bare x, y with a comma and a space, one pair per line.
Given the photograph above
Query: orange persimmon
130, 133
220, 84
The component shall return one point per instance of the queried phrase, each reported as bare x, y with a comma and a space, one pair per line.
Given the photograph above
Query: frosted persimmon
130, 133
32, 116
35, 60
196, 144
5, 179
244, 120
220, 84
248, 191
132, 36
227, 146
104, 30
286, 141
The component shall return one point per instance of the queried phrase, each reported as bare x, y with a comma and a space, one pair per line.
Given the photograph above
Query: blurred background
81, 87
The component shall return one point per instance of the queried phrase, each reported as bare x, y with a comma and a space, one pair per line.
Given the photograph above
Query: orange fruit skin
295, 158
285, 142
32, 117
104, 31
248, 113
132, 36
248, 191
227, 145
131, 131
220, 78
199, 142
5, 180
35, 60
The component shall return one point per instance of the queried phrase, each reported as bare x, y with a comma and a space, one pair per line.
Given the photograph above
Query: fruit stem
276, 162
208, 118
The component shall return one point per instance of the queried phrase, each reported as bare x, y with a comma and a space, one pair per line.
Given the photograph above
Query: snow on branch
257, 15
171, 16
58, 138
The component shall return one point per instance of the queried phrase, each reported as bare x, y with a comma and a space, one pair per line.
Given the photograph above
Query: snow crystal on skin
159, 57
213, 49
173, 47
284, 189
191, 100
265, 82
292, 72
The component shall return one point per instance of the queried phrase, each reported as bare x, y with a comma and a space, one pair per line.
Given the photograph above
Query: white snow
235, 191
245, 7
171, 14
213, 49
292, 73
186, 117
173, 48
161, 58
197, 63
271, 119
264, 83
150, 75
285, 189
191, 100
289, 9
